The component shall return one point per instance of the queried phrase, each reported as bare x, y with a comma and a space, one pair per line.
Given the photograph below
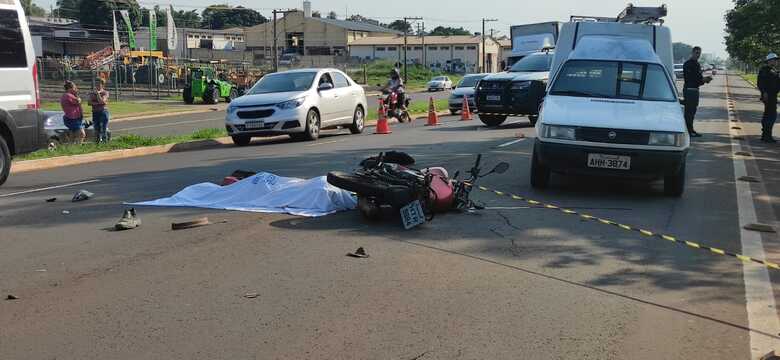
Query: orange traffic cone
382, 126
465, 114
433, 117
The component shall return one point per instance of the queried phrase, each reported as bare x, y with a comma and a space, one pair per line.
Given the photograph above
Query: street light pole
484, 48
276, 48
406, 33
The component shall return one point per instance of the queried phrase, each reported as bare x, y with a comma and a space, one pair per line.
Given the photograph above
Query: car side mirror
325, 87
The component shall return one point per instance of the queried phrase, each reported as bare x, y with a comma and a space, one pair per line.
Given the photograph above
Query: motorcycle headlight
291, 104
521, 85
666, 139
559, 132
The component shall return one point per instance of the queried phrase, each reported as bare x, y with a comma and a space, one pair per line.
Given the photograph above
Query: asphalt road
188, 123
510, 282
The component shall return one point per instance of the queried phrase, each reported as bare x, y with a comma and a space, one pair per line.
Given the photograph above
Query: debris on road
11, 297
51, 200
190, 224
82, 195
743, 153
359, 253
129, 220
65, 212
749, 179
251, 295
760, 228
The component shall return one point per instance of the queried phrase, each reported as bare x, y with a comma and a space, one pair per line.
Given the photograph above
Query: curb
63, 161
159, 115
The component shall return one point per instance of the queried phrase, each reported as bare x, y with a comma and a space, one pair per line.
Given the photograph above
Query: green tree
332, 15
32, 9
753, 29
98, 12
400, 25
68, 9
448, 31
224, 16
682, 52
186, 18
161, 16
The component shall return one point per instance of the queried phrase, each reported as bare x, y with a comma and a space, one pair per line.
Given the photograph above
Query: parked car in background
466, 89
56, 131
298, 103
520, 91
678, 72
21, 124
289, 59
440, 83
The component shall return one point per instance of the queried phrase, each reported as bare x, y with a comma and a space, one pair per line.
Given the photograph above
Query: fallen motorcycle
389, 180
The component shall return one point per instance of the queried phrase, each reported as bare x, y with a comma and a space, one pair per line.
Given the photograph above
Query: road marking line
49, 188
166, 124
511, 143
759, 295
325, 143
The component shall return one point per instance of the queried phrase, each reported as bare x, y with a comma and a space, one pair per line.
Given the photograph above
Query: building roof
505, 43
416, 40
357, 26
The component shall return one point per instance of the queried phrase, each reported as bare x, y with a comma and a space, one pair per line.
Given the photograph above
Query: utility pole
276, 48
484, 47
422, 34
406, 33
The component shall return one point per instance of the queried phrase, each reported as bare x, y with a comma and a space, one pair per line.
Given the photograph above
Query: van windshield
533, 63
613, 79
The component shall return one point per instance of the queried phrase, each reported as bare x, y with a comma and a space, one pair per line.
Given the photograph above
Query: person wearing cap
693, 81
769, 84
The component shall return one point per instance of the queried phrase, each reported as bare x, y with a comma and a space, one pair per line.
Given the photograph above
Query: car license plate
412, 215
609, 161
254, 125
493, 98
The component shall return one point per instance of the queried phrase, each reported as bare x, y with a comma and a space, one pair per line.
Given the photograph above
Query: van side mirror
325, 87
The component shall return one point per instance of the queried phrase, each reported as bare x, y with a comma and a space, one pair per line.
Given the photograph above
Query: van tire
540, 174
492, 120
5, 161
674, 185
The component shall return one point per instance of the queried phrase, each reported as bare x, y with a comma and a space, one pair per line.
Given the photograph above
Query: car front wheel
5, 161
312, 129
674, 185
358, 121
492, 120
540, 174
241, 140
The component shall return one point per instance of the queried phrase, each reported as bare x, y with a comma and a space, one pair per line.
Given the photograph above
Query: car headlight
49, 123
521, 85
666, 139
231, 108
559, 132
291, 104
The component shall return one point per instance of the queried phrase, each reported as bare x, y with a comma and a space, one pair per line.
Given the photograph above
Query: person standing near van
769, 84
74, 116
99, 100
693, 81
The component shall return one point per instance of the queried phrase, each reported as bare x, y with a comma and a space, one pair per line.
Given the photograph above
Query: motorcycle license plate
412, 215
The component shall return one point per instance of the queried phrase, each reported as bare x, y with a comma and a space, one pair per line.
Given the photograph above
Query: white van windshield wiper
577, 93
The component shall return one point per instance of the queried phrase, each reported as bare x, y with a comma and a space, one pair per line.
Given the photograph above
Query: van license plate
603, 161
412, 215
495, 98
254, 125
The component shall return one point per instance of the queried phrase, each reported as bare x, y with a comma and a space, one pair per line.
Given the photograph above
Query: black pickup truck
517, 92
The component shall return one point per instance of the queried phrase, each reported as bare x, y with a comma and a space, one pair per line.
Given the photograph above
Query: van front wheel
674, 185
5, 160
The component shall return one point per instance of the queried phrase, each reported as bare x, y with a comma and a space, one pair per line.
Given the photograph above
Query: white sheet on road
267, 193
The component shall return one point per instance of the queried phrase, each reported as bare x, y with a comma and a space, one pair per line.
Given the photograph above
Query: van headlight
559, 132
291, 104
666, 139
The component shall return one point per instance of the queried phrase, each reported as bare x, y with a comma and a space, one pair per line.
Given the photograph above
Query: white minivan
21, 125
611, 108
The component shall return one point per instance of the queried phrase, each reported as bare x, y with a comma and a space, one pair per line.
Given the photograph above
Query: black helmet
395, 74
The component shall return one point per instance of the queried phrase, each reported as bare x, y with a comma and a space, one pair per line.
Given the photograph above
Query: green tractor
203, 83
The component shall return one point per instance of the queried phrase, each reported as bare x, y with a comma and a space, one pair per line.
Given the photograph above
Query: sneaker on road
82, 195
129, 220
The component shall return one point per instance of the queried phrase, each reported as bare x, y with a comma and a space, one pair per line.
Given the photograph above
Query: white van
21, 124
611, 108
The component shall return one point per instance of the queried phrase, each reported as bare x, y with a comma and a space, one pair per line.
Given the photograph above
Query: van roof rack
631, 15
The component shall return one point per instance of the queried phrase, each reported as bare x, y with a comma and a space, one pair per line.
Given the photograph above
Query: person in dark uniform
693, 81
769, 84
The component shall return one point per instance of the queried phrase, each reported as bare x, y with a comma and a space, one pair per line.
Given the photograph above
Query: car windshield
613, 79
439, 78
533, 63
283, 82
470, 81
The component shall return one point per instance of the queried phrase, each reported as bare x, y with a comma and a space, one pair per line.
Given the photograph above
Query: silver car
56, 131
298, 103
440, 83
466, 89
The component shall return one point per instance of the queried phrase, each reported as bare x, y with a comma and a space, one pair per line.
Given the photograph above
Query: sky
692, 21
